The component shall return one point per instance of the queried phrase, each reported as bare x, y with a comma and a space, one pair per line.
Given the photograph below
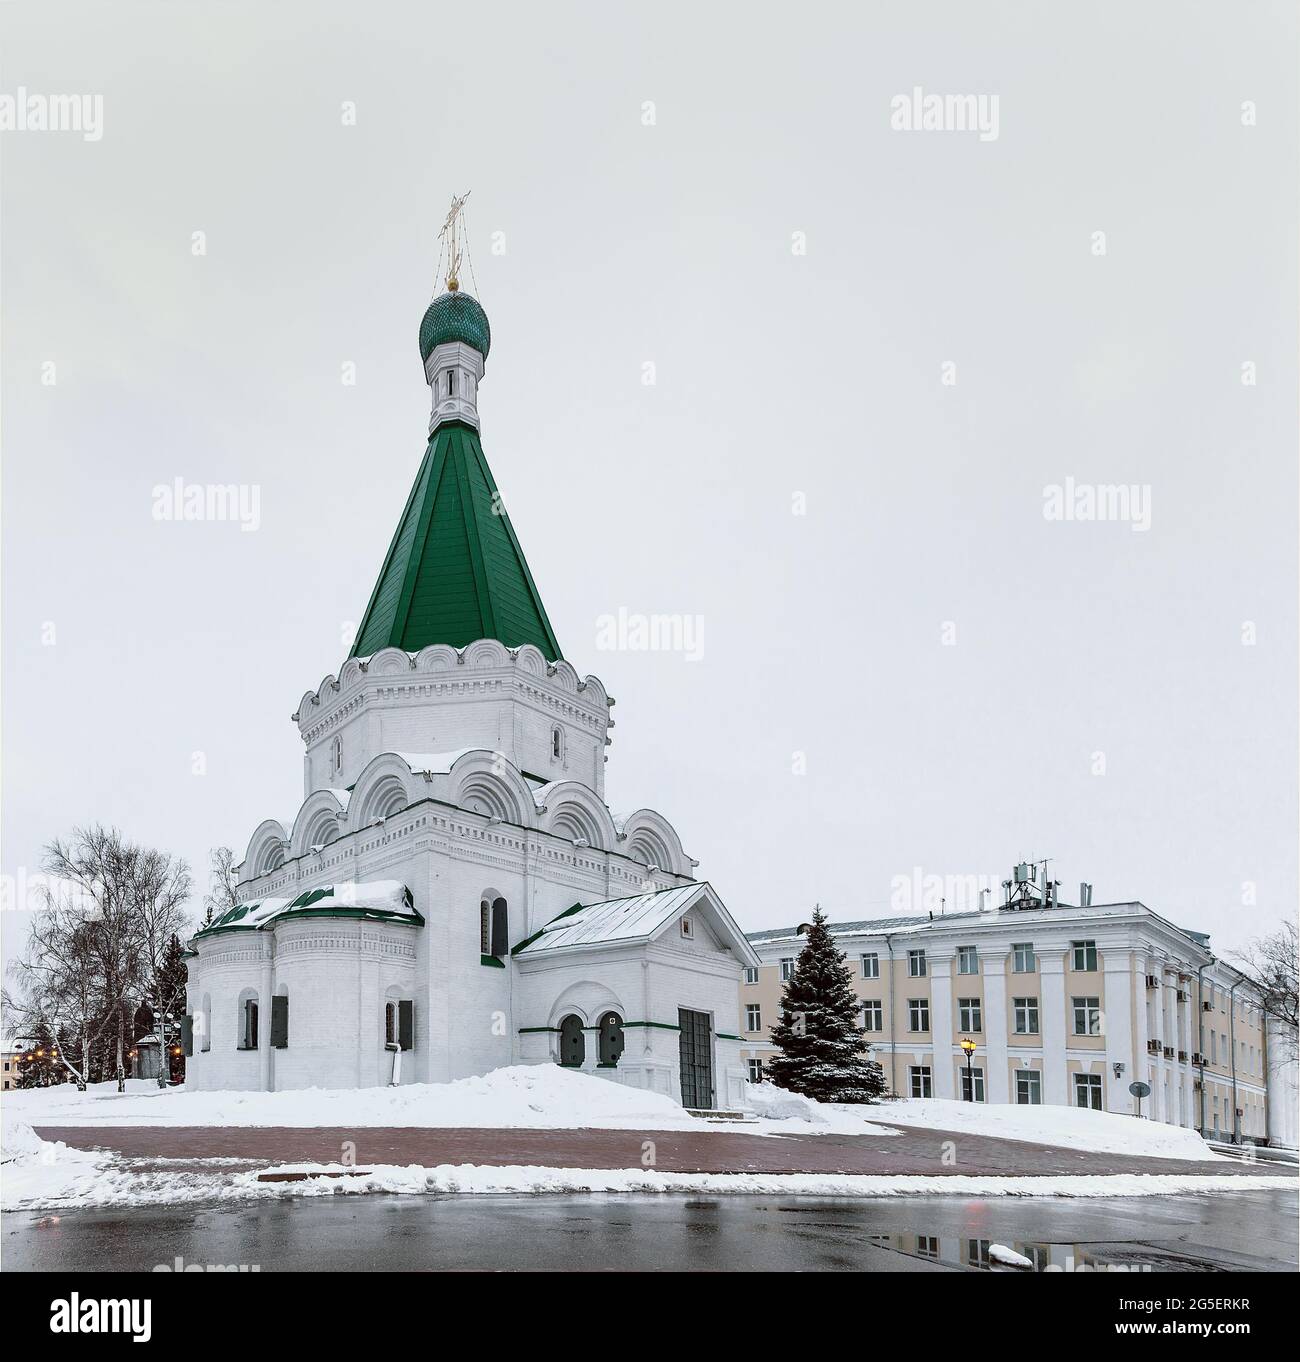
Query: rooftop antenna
452, 236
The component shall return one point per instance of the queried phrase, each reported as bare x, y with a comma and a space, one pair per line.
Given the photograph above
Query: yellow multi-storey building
1064, 1005
9, 1059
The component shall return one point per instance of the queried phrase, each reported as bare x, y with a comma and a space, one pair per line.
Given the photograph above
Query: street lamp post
969, 1046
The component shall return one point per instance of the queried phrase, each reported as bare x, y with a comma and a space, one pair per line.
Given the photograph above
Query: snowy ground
56, 1178
1065, 1127
540, 1096
37, 1173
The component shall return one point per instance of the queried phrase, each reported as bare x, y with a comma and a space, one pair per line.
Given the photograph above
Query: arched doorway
573, 1046
611, 1040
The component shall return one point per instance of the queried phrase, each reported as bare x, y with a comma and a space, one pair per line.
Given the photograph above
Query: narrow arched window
280, 1021
611, 1040
493, 928
557, 743
247, 1024
338, 754
573, 1047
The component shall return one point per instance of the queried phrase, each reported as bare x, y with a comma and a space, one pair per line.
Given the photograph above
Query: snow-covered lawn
536, 1096
1064, 1127
541, 1096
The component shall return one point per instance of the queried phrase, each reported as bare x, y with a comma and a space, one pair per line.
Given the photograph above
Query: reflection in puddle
1036, 1256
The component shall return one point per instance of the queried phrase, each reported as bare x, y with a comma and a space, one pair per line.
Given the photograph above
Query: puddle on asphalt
1040, 1257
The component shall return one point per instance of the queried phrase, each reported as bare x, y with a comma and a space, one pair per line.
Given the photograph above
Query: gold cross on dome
450, 236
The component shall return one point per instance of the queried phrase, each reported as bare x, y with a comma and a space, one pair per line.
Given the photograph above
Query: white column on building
940, 970
997, 1084
1141, 1068
1051, 1020
1156, 1064
1187, 1107
1168, 1039
1117, 1021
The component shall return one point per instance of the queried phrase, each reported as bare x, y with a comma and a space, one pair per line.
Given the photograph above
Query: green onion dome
454, 316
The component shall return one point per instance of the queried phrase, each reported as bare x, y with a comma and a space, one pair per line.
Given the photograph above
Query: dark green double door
696, 1046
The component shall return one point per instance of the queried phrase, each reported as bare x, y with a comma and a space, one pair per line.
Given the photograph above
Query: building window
1022, 958
753, 1017
755, 1070
1087, 1016
751, 975
248, 1022
1085, 956
280, 1021
871, 966
975, 1078
967, 960
916, 964
451, 383
927, 1246
787, 968
1026, 1016
1029, 1088
873, 1017
970, 1014
204, 1021
557, 743
611, 1040
399, 1024
918, 1080
573, 1046
918, 1014
493, 928
1087, 1091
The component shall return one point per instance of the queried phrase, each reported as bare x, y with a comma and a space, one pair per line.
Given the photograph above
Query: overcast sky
907, 666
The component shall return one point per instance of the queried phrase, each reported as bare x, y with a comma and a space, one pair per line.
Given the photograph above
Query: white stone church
453, 894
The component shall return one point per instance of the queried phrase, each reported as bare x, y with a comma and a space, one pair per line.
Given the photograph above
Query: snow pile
35, 1172
413, 1180
790, 1113
537, 1096
1065, 1127
1000, 1253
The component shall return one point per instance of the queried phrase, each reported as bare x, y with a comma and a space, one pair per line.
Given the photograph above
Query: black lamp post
969, 1046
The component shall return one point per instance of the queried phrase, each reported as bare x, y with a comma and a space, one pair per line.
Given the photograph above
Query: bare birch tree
1270, 963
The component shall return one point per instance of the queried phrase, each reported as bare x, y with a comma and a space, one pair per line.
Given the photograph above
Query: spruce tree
823, 1050
38, 1065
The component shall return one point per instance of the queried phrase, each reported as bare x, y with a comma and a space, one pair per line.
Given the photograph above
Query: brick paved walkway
912, 1151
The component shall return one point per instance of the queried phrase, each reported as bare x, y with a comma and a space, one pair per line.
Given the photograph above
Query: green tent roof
454, 571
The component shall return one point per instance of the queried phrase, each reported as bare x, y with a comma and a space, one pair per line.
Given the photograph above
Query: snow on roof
379, 898
878, 924
630, 919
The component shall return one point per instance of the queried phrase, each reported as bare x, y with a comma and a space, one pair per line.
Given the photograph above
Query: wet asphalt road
1238, 1231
